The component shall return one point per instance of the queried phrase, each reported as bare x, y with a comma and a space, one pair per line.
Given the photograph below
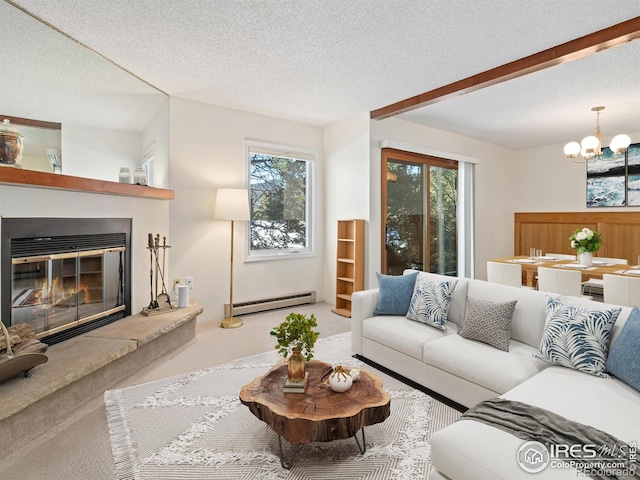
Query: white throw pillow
576, 337
430, 301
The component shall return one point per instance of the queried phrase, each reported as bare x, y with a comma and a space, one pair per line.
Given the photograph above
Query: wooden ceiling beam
595, 42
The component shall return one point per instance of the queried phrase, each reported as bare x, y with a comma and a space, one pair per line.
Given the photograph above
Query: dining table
596, 270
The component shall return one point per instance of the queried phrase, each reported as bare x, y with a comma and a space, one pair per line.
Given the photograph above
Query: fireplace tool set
12, 364
160, 303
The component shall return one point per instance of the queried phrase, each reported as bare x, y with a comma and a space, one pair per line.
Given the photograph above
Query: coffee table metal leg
284, 463
287, 464
363, 447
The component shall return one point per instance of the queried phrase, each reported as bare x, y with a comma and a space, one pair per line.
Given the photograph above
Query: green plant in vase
296, 339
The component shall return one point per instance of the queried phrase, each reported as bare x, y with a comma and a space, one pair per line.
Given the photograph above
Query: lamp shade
232, 204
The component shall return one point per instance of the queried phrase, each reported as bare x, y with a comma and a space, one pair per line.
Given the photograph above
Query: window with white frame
280, 181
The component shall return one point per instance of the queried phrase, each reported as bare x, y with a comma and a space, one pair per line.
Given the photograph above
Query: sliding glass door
419, 195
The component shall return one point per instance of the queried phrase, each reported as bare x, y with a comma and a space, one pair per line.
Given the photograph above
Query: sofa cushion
604, 403
430, 301
474, 450
481, 364
401, 334
488, 322
577, 338
394, 293
624, 360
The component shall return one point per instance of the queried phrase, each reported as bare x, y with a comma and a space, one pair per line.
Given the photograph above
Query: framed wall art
607, 180
633, 175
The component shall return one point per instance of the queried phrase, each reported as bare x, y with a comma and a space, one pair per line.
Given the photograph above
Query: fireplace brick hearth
80, 369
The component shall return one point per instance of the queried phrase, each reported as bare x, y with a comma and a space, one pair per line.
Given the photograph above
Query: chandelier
591, 146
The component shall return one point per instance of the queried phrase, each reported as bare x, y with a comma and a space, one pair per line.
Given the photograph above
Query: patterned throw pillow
577, 338
430, 301
623, 360
394, 293
488, 322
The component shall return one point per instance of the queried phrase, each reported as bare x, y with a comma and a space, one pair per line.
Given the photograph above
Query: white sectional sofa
468, 372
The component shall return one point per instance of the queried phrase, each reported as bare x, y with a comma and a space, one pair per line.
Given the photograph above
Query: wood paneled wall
550, 231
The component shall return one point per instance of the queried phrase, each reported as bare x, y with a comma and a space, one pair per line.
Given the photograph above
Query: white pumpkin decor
341, 380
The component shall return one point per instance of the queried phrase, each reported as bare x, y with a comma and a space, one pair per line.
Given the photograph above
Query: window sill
31, 178
282, 256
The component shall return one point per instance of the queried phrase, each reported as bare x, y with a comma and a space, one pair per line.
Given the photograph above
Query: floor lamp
231, 204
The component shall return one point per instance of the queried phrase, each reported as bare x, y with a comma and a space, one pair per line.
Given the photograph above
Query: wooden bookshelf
349, 264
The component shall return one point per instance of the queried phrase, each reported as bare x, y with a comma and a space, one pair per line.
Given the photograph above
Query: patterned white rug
194, 427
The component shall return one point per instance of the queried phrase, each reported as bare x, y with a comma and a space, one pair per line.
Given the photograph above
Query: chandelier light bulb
620, 143
590, 145
588, 155
572, 149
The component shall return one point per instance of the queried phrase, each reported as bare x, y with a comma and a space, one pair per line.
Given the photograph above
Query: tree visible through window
419, 213
280, 201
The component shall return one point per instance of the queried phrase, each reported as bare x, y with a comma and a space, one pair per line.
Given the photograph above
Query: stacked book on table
296, 386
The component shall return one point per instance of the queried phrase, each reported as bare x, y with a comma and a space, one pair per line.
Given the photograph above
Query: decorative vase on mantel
296, 365
585, 258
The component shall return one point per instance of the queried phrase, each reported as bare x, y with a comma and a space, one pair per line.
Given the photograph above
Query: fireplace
65, 276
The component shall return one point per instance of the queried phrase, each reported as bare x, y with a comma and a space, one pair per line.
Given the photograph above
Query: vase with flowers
296, 339
585, 241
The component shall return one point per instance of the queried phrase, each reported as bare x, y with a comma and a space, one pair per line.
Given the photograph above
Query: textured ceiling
320, 61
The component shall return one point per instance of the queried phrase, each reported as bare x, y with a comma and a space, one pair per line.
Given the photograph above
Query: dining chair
557, 280
621, 290
504, 273
557, 256
596, 285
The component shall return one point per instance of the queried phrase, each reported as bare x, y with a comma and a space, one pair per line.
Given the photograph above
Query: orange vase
296, 365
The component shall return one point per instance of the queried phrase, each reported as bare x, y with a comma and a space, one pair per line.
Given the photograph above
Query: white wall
157, 133
495, 187
208, 152
36, 142
549, 182
149, 216
347, 187
39, 163
97, 152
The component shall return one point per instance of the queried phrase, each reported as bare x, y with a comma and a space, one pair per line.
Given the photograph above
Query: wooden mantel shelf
32, 178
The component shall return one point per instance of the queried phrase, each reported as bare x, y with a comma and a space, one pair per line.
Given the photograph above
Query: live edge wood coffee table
319, 414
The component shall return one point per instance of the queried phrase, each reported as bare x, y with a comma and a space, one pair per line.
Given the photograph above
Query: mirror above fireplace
109, 118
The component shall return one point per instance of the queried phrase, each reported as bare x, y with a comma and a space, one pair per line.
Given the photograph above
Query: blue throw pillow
577, 338
395, 293
624, 360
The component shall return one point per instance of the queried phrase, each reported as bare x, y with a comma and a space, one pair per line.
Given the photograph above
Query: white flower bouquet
585, 240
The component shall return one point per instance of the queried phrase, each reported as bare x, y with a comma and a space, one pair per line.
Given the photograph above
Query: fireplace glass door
56, 292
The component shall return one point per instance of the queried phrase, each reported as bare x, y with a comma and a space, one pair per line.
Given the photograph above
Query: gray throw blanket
532, 423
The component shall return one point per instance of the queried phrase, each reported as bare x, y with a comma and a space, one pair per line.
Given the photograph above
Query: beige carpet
79, 449
193, 426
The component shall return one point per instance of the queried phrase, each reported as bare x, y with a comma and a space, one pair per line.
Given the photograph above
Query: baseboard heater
266, 304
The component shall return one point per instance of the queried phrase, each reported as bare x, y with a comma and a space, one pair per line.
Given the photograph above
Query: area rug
193, 426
